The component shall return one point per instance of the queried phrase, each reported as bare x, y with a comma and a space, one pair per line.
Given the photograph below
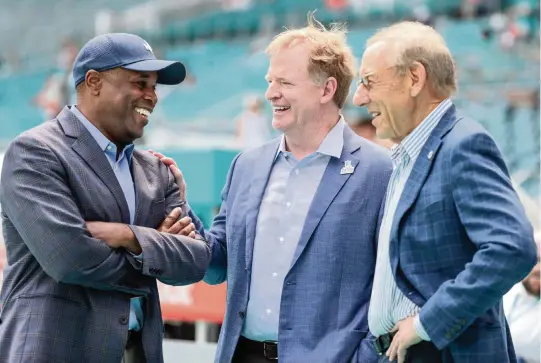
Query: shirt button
288, 204
241, 314
123, 320
274, 274
269, 311
282, 239
297, 171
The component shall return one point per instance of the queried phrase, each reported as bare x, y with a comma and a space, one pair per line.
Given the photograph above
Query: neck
307, 139
91, 116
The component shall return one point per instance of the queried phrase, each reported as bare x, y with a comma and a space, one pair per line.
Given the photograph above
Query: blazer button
242, 314
123, 320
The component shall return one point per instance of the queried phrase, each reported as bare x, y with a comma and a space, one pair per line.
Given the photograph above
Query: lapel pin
348, 168
430, 155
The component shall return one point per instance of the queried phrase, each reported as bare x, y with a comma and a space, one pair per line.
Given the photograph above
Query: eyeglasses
366, 82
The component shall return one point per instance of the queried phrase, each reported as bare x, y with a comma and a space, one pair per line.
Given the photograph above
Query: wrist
419, 329
129, 241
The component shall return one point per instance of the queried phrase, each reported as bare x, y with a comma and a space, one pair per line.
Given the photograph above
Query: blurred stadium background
222, 42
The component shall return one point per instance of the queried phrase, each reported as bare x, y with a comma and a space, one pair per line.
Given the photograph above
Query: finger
179, 180
395, 328
159, 155
192, 235
170, 219
402, 355
168, 161
179, 225
391, 352
187, 230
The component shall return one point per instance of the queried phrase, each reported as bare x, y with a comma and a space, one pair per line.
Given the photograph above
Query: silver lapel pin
430, 155
348, 168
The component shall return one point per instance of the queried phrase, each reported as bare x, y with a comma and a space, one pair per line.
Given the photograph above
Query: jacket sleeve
37, 199
495, 222
173, 259
217, 237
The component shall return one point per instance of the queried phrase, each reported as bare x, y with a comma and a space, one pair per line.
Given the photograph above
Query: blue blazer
324, 304
460, 240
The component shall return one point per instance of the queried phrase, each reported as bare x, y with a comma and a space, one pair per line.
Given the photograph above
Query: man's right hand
172, 224
172, 165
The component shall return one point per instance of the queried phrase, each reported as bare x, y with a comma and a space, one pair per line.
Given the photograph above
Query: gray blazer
66, 296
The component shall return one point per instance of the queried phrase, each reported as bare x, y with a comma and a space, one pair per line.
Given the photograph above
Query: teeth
143, 111
280, 108
375, 114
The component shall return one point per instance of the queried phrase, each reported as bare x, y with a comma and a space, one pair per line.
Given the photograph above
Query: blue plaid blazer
460, 240
324, 306
66, 296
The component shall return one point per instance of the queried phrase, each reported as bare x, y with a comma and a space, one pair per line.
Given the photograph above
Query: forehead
289, 61
377, 56
130, 74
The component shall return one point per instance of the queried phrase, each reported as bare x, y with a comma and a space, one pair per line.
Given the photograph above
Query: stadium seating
222, 72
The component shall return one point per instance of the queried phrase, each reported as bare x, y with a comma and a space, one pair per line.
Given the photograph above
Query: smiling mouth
280, 109
143, 112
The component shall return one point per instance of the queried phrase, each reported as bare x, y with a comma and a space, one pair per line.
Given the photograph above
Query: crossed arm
38, 201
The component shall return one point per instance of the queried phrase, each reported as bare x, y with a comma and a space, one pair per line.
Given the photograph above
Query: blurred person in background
295, 237
82, 216
58, 90
522, 308
454, 237
253, 126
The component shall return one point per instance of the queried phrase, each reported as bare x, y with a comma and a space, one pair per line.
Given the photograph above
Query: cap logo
147, 47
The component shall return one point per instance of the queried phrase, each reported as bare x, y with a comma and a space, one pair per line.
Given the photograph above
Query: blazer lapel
417, 177
143, 187
260, 174
329, 186
90, 152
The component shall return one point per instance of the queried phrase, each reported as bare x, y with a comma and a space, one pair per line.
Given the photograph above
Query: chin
279, 125
383, 134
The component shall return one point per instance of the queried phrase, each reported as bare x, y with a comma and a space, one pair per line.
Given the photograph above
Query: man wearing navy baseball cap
90, 223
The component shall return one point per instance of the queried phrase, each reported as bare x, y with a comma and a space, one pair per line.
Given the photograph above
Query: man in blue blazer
295, 235
454, 237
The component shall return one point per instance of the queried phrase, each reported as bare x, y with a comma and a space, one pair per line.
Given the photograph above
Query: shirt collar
332, 145
104, 143
414, 142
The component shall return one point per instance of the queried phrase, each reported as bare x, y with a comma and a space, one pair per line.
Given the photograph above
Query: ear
94, 82
417, 75
329, 89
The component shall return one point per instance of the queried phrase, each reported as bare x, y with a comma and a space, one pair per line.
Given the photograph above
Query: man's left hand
115, 235
405, 336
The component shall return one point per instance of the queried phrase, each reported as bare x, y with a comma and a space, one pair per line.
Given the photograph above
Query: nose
361, 97
151, 96
272, 92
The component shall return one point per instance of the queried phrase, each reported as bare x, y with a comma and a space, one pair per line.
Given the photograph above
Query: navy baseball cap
127, 51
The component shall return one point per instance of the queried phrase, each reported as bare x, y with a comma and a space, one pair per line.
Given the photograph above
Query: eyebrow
277, 78
142, 77
369, 74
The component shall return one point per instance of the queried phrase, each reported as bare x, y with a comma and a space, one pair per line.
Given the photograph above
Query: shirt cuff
135, 260
419, 328
138, 257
